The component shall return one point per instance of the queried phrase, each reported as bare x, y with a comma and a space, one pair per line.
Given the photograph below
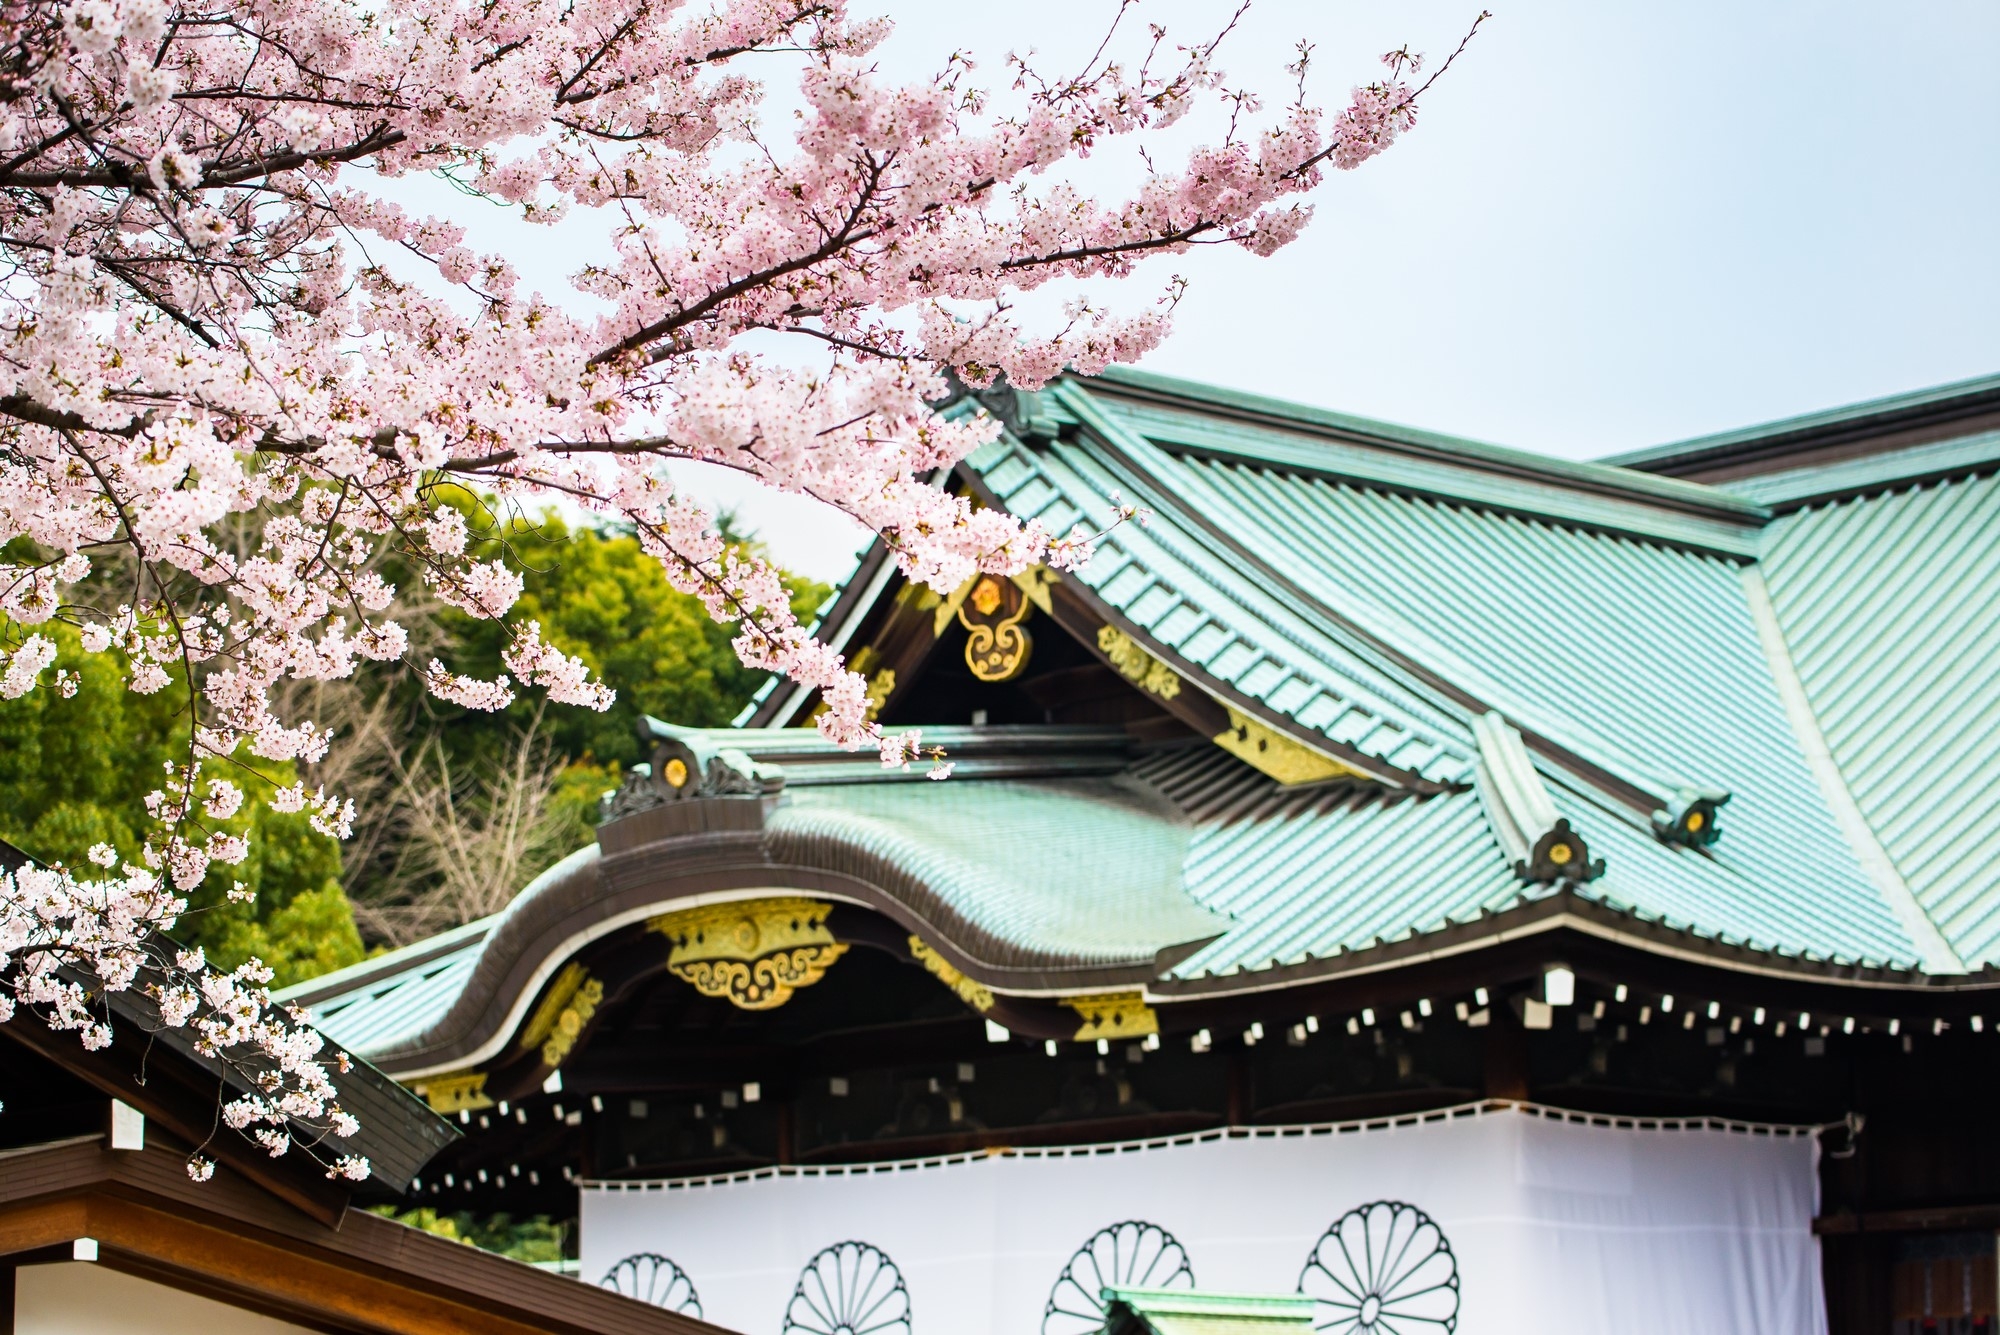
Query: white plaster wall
79, 1298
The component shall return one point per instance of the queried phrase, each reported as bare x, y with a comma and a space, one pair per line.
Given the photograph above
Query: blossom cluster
215, 398
66, 944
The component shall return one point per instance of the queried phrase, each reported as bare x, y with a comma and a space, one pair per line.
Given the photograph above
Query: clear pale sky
1616, 224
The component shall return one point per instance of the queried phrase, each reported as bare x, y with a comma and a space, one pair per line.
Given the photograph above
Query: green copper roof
1131, 1311
1891, 606
1642, 658
376, 1005
1053, 871
1415, 602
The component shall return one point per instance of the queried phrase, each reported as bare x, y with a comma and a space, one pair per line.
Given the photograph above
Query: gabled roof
1376, 589
1495, 655
163, 1072
229, 1241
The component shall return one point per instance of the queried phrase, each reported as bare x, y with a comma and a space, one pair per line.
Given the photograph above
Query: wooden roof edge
1774, 446
228, 1235
1567, 909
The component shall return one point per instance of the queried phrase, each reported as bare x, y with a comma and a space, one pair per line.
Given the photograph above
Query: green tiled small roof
1050, 871
1134, 1311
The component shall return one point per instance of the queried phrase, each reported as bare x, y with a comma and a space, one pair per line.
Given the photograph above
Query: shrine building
1466, 889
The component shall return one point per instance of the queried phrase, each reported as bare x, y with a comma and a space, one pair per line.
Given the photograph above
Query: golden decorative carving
985, 596
996, 645
464, 1091
569, 1022
753, 954
543, 1021
1288, 761
1136, 665
880, 687
1113, 1015
976, 995
1035, 582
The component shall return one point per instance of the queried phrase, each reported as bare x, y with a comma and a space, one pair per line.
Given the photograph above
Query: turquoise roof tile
1891, 607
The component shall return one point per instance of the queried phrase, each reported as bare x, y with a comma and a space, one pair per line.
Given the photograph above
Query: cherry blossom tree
201, 334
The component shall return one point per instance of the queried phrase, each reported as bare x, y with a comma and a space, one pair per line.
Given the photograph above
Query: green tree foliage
536, 1240
75, 772
600, 597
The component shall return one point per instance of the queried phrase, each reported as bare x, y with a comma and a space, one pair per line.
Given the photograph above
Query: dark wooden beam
229, 1238
1938, 1219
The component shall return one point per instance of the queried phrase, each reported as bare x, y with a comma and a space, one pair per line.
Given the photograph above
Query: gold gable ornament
997, 645
464, 1091
976, 995
1285, 759
1113, 1015
752, 954
1137, 666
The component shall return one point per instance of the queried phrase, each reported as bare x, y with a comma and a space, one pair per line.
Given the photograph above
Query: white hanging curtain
1481, 1221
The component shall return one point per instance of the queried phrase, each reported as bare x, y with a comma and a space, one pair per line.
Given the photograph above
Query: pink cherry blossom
207, 376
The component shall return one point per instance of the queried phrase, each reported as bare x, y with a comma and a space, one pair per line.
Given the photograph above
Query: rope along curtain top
1455, 1112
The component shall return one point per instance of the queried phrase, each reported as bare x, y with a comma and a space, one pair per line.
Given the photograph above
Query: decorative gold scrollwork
1263, 747
1136, 665
976, 995
881, 686
996, 645
753, 954
569, 1025
558, 1022
543, 1021
1113, 1015
464, 1091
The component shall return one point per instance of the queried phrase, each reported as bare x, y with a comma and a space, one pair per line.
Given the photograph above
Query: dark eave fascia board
1765, 447
1398, 459
1568, 909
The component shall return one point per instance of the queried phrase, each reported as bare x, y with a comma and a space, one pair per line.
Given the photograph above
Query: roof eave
1568, 909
